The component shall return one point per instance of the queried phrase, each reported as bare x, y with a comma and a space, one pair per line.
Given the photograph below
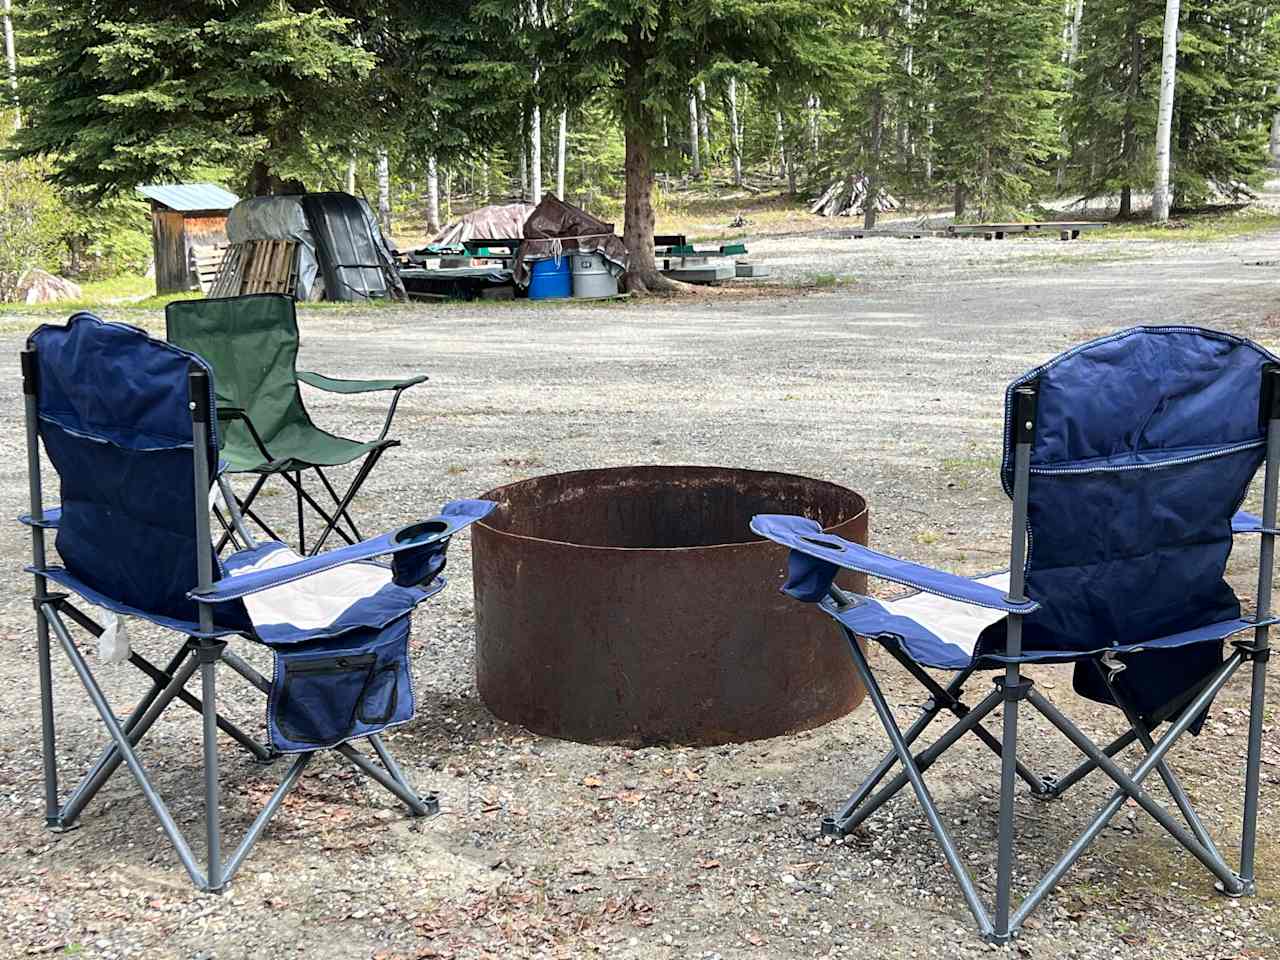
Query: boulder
40, 286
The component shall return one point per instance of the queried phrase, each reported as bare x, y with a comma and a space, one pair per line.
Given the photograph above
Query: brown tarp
556, 228
502, 221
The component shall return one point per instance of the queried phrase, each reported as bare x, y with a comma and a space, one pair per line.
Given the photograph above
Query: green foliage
124, 92
993, 80
104, 240
30, 223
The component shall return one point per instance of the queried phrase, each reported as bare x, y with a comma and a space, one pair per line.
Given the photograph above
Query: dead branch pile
845, 198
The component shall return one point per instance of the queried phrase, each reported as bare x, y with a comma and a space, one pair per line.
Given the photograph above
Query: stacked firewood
846, 197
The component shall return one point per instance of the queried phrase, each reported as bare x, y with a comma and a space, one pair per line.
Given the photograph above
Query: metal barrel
634, 605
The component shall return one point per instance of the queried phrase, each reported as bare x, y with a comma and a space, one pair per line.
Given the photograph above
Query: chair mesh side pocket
329, 691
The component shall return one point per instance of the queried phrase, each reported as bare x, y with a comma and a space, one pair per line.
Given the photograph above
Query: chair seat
298, 448
937, 632
326, 604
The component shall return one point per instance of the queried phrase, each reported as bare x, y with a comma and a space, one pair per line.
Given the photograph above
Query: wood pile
845, 198
257, 266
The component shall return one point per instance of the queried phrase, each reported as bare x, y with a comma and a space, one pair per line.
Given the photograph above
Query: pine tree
993, 77
1111, 117
122, 92
1228, 61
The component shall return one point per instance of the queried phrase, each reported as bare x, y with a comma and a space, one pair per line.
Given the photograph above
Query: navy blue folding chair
1127, 460
127, 422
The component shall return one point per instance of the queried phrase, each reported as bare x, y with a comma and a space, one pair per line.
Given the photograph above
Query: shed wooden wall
173, 234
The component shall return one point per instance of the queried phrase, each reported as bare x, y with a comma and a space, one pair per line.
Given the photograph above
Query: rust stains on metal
635, 605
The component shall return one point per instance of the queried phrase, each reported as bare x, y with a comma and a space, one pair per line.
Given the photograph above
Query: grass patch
1215, 223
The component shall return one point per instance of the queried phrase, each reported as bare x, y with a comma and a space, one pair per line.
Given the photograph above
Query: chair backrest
113, 413
1146, 442
251, 343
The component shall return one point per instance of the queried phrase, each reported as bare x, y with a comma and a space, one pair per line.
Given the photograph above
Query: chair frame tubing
200, 653
1012, 688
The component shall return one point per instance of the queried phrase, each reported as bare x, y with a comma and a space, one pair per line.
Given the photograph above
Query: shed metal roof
190, 196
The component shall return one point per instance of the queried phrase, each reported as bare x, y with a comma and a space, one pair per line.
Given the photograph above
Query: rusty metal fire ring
634, 605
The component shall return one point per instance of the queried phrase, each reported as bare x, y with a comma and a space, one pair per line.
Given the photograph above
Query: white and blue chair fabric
127, 424
1128, 460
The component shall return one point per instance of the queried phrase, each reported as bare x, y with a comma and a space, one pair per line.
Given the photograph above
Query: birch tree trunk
560, 152
735, 132
1072, 45
704, 122
384, 190
535, 151
782, 144
814, 106
1164, 126
524, 166
350, 182
11, 56
433, 196
693, 134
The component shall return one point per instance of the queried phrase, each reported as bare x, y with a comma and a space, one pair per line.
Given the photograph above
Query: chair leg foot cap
830, 828
58, 825
999, 939
431, 802
1248, 888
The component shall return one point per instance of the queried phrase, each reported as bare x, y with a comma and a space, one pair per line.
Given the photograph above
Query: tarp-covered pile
556, 228
503, 221
342, 254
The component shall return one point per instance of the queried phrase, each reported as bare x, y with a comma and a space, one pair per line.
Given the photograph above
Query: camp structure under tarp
555, 228
314, 246
499, 221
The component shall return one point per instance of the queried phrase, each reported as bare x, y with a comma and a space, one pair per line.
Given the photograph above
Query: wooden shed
188, 233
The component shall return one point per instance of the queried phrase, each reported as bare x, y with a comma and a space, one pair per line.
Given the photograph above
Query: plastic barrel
550, 279
591, 276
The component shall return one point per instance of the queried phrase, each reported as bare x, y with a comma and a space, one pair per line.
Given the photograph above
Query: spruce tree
122, 92
993, 76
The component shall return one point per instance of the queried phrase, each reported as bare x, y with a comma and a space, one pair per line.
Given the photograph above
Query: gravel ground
891, 385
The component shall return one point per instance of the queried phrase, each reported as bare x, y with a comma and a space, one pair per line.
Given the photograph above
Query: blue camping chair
1127, 460
127, 422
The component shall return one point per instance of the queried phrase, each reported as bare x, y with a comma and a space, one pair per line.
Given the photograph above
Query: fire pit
635, 605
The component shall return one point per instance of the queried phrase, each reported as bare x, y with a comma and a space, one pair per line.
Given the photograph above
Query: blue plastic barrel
550, 279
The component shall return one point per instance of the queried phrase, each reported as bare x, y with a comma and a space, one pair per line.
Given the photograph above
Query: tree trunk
1128, 128
814, 106
1164, 126
535, 152
735, 132
638, 226
384, 191
350, 183
11, 57
693, 135
561, 137
1072, 31
959, 200
433, 196
524, 160
1275, 136
782, 144
871, 201
704, 122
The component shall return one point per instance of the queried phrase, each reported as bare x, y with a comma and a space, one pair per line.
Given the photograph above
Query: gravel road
889, 382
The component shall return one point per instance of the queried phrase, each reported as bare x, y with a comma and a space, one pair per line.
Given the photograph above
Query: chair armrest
1244, 522
49, 521
805, 538
417, 549
334, 385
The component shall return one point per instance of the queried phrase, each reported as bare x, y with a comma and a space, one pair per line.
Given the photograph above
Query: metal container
634, 605
591, 276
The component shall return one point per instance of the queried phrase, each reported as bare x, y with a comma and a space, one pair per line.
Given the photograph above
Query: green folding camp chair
252, 344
